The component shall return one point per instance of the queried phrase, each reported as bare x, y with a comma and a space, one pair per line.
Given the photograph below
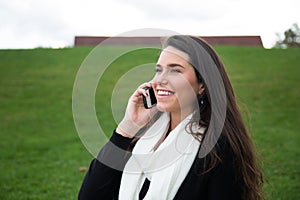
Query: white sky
54, 23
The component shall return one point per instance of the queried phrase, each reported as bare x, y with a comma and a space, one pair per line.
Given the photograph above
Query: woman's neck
176, 118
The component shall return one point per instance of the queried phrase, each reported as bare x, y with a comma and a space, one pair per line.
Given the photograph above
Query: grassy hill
41, 151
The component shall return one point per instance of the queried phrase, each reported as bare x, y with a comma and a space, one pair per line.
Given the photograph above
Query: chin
161, 109
164, 108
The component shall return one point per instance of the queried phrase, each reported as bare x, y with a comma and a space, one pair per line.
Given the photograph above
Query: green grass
41, 151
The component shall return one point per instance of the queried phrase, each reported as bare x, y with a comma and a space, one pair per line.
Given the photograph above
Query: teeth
163, 92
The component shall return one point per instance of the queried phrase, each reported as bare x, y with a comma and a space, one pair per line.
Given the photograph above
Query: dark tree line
291, 38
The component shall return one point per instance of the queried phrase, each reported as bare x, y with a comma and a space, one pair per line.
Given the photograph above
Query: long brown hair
234, 131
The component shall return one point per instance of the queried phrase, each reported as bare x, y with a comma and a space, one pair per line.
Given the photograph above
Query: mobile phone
150, 99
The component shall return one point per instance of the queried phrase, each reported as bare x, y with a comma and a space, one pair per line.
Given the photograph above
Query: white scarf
166, 167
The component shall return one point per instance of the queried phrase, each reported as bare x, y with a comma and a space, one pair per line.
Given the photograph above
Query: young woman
192, 145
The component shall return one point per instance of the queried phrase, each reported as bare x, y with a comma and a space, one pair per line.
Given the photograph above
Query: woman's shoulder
222, 149
220, 158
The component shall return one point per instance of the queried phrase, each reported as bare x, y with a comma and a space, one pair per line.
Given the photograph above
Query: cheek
186, 86
187, 91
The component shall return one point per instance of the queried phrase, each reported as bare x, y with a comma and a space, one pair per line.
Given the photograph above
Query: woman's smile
163, 93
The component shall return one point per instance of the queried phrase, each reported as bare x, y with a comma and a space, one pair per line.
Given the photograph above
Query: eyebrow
171, 65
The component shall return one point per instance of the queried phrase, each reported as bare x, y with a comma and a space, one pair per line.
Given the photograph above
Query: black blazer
220, 183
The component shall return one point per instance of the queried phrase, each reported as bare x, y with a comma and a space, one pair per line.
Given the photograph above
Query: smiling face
175, 84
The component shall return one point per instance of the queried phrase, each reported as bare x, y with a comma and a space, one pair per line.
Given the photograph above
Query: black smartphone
150, 99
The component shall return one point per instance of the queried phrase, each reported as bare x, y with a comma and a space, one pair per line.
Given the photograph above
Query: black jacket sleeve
102, 180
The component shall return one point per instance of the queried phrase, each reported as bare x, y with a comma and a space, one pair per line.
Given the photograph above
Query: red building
213, 40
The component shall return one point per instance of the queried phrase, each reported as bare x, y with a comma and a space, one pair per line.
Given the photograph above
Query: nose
160, 79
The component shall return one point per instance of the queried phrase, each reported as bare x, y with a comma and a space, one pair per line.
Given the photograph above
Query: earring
200, 96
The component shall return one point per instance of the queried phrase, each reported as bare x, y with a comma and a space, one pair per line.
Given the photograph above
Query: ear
201, 88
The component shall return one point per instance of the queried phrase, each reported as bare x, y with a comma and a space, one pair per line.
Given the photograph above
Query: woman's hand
136, 115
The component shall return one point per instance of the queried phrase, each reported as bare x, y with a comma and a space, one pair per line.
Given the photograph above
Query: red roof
213, 40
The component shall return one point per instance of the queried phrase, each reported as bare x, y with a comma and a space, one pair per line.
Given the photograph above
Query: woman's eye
175, 71
157, 70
